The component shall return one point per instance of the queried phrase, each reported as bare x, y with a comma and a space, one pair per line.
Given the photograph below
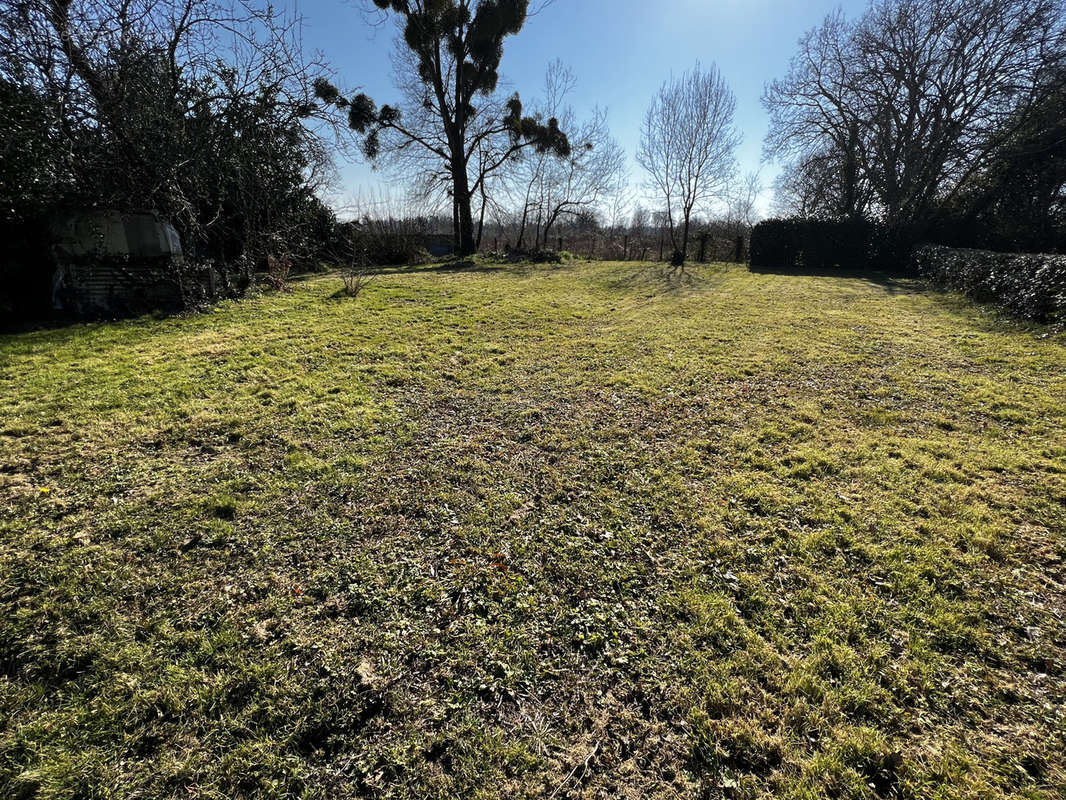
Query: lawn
582, 531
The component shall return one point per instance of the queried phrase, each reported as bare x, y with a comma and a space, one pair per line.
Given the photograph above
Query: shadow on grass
61, 323
469, 266
659, 279
891, 282
14, 327
986, 317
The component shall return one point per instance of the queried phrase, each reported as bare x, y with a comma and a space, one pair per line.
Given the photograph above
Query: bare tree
413, 156
894, 112
524, 175
585, 180
455, 48
742, 200
620, 208
807, 188
687, 146
550, 189
640, 224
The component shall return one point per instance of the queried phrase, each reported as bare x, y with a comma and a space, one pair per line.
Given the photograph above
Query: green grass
582, 531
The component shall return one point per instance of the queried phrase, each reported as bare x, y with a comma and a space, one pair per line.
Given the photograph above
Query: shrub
397, 250
277, 271
816, 244
1030, 285
386, 242
773, 244
356, 274
537, 256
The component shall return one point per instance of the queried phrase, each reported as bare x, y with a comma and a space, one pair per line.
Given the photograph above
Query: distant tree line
941, 119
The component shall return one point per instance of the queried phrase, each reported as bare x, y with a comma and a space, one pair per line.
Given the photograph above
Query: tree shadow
16, 327
989, 317
300, 278
893, 282
986, 317
472, 267
61, 330
660, 279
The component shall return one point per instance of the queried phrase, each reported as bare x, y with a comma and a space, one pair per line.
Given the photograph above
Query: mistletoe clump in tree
454, 49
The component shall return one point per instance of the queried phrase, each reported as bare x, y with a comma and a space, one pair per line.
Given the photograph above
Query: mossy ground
579, 531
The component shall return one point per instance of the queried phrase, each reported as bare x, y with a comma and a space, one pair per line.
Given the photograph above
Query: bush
26, 270
277, 271
536, 256
1030, 285
774, 244
816, 244
381, 242
396, 250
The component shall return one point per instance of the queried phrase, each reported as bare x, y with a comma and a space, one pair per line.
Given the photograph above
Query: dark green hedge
814, 244
1030, 285
25, 272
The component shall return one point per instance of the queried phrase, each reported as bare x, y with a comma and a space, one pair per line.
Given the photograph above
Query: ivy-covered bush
1029, 285
815, 244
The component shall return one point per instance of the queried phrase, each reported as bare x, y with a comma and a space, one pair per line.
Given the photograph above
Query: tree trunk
464, 219
467, 243
548, 225
683, 251
455, 224
481, 218
850, 189
522, 227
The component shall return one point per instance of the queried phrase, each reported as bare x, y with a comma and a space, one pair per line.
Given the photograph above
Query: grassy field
584, 531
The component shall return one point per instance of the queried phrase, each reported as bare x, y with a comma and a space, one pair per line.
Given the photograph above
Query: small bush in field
277, 271
357, 274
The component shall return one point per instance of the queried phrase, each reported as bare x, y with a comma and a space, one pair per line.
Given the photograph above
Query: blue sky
620, 50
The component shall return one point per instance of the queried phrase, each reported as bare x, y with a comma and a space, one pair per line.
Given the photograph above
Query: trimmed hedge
1030, 285
25, 272
814, 243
